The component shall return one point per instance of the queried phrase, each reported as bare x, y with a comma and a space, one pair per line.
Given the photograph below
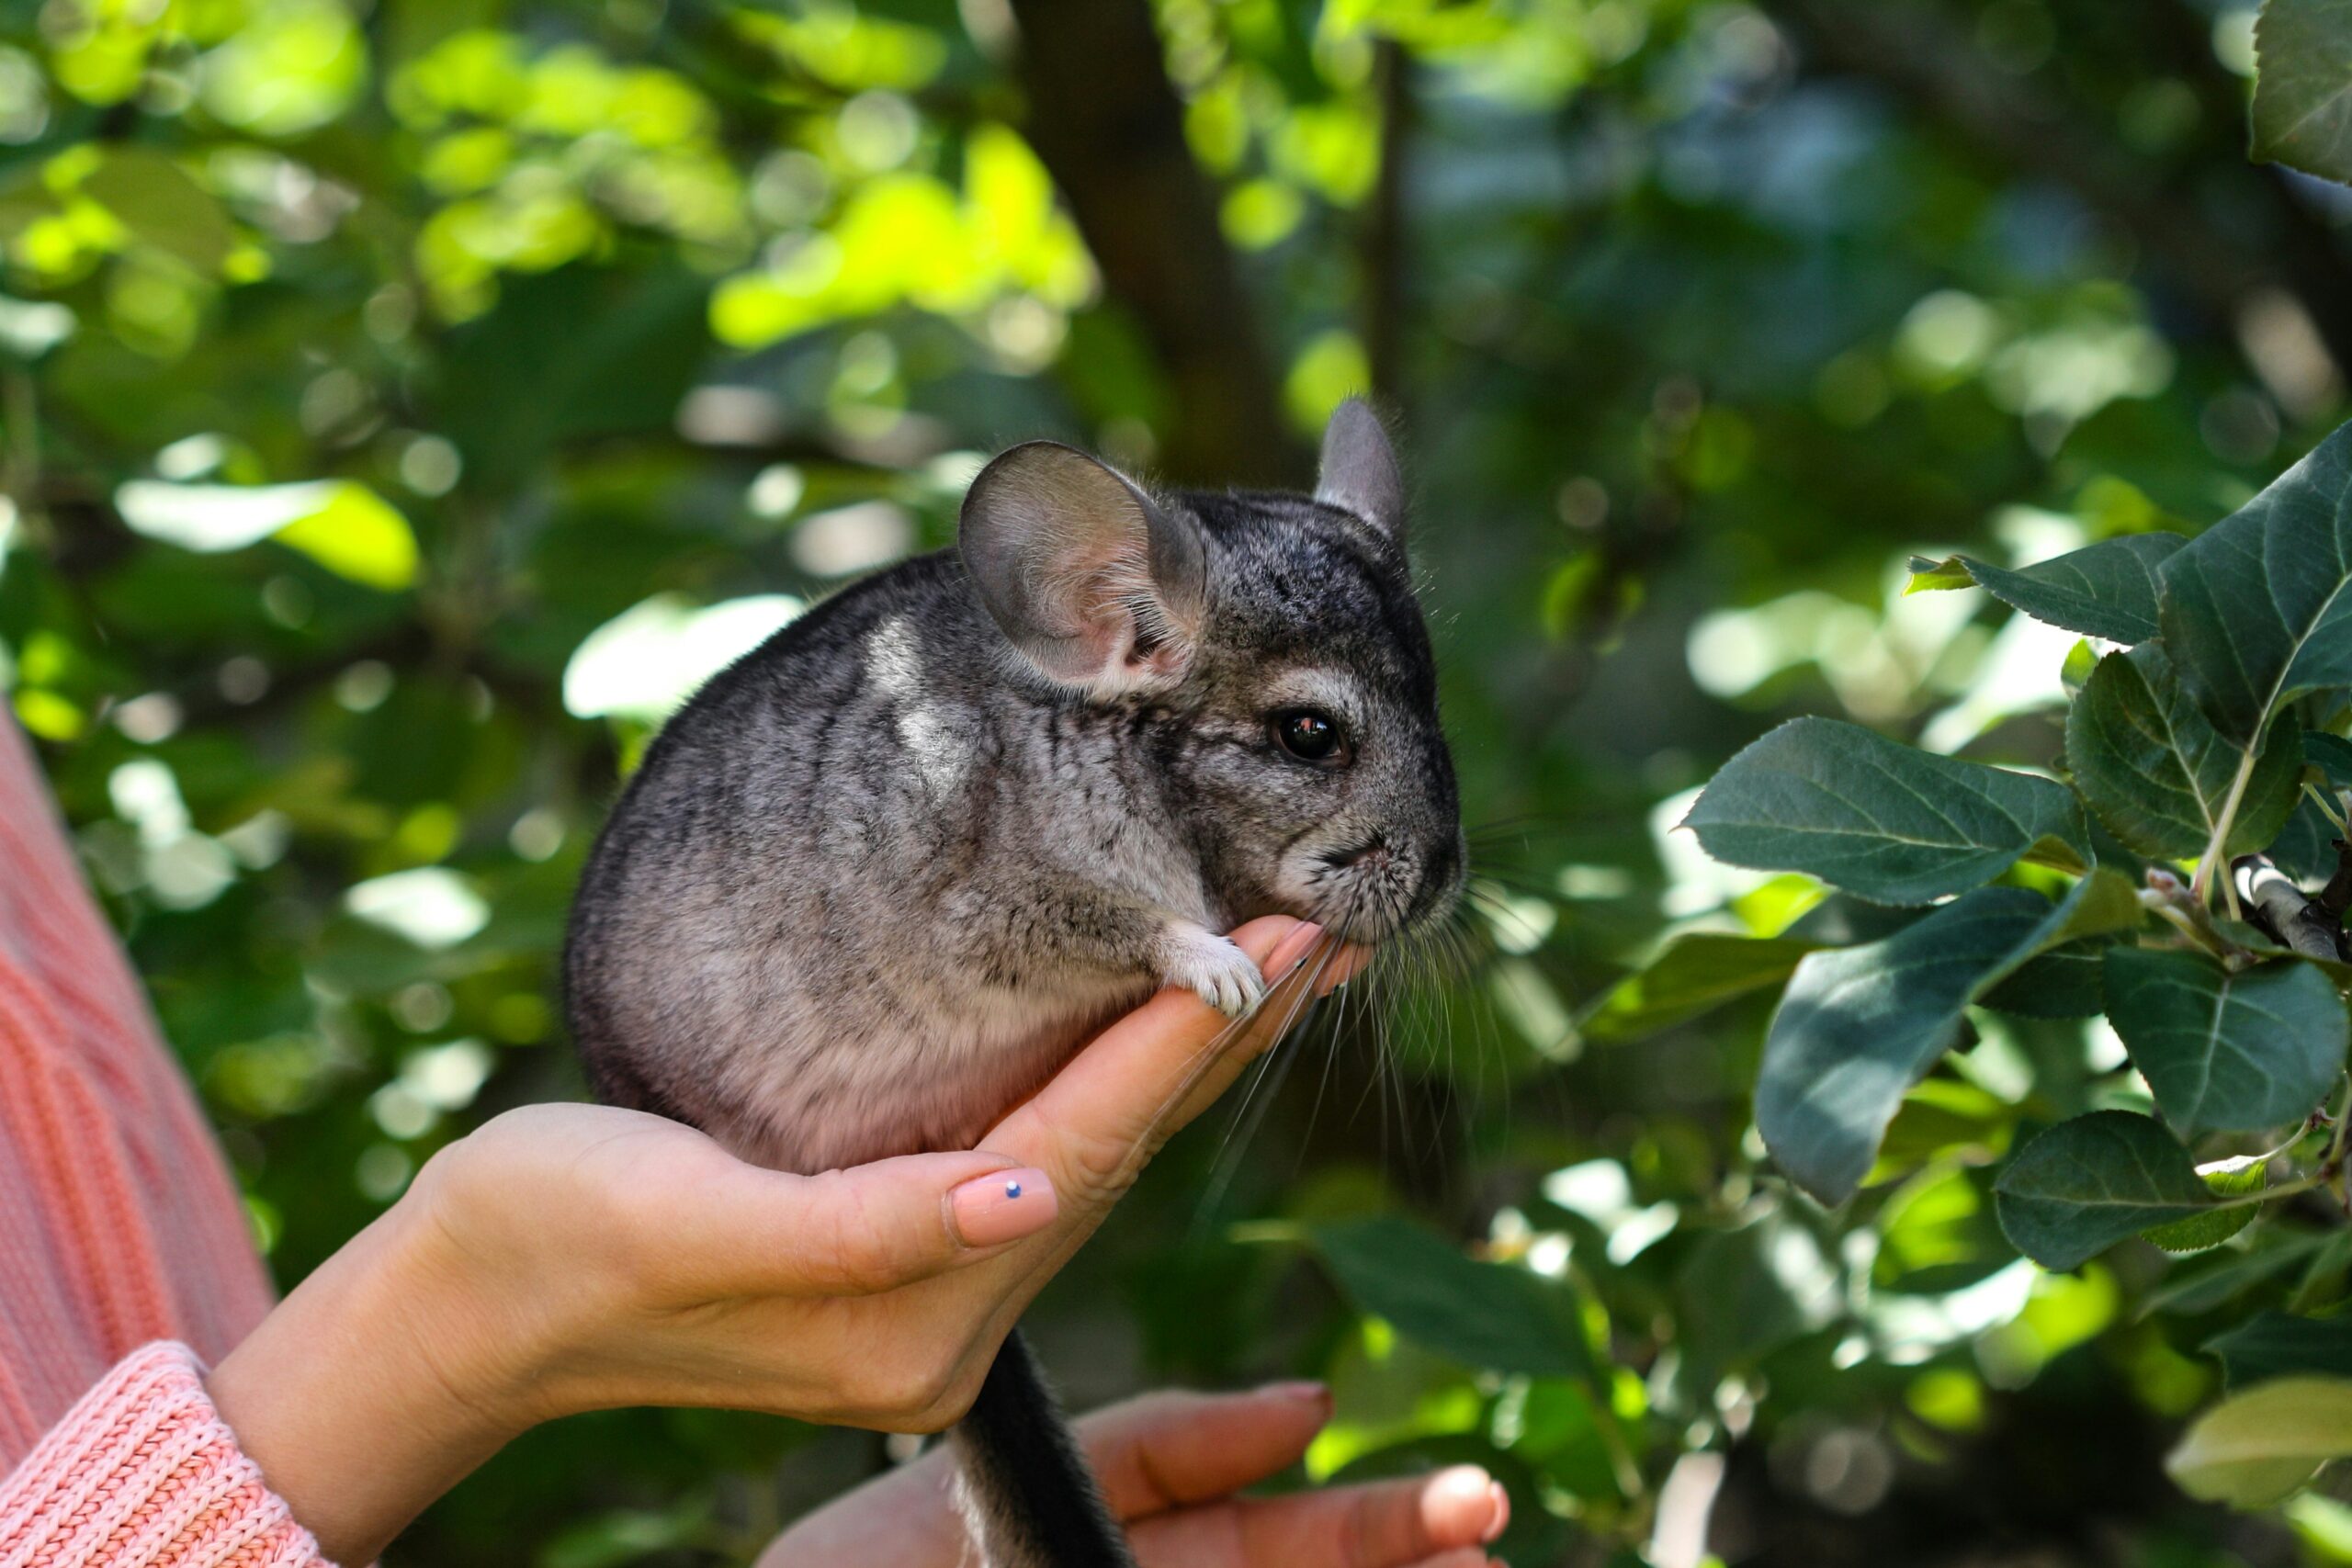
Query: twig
2167, 897
2283, 911
2336, 897
2202, 885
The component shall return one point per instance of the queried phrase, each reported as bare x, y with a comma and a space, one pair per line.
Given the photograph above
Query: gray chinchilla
879, 878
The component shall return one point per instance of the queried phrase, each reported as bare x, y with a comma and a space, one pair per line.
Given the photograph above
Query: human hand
566, 1258
1170, 1464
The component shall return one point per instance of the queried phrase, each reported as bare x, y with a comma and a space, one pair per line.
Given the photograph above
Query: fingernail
1304, 1391
1501, 1521
1294, 949
1002, 1206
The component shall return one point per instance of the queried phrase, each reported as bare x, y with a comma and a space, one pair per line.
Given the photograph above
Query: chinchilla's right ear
1091, 580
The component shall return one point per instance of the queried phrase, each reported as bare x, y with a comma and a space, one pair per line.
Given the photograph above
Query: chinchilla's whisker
1300, 1008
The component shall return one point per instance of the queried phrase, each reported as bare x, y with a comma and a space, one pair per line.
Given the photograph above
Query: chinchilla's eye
1310, 736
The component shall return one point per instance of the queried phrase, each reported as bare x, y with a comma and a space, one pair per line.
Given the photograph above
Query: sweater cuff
143, 1474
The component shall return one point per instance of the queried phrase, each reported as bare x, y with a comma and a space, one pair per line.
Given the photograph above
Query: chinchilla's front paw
1212, 969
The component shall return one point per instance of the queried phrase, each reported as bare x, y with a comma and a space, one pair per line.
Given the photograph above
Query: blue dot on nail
1013, 1190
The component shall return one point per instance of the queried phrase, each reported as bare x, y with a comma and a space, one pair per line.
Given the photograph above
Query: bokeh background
404, 403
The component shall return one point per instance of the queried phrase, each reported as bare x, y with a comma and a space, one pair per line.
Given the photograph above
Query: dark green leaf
2089, 1183
1695, 973
2200, 1289
2065, 982
2256, 609
1860, 1025
2273, 1345
2159, 775
2303, 86
2332, 755
578, 353
1747, 1292
2224, 1052
1878, 819
2107, 590
1482, 1315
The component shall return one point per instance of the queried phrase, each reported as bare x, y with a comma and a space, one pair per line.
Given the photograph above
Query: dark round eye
1309, 736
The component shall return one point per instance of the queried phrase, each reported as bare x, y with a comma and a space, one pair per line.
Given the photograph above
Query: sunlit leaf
2256, 1447
650, 658
2224, 1178
340, 523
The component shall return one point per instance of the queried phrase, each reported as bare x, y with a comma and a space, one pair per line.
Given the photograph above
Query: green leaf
2224, 1178
2303, 86
2066, 982
2256, 610
1695, 973
1860, 1025
2256, 1447
2200, 1289
2226, 1052
2158, 775
2107, 590
2274, 1345
581, 351
161, 203
1878, 819
1482, 1315
2331, 754
340, 523
2086, 1184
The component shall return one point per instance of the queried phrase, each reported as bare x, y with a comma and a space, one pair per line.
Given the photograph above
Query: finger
1165, 1449
1382, 1524
860, 1231
1101, 1118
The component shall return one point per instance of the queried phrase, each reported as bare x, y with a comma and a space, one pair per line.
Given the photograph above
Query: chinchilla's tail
1028, 1494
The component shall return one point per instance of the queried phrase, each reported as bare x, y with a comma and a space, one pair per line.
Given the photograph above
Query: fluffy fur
874, 883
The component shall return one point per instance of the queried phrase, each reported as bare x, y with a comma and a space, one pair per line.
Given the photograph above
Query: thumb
870, 1228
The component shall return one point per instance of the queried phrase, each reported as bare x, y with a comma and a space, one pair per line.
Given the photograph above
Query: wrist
375, 1385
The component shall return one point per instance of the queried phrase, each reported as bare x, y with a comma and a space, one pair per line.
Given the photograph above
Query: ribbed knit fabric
120, 1227
142, 1473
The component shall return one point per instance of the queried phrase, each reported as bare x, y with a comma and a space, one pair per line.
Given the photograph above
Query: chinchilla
878, 879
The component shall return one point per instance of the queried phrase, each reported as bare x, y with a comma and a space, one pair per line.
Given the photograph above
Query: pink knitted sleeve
142, 1473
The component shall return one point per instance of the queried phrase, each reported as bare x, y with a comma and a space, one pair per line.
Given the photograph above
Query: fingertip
1291, 950
1260, 938
1464, 1505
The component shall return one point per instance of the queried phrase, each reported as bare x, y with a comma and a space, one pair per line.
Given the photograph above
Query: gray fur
874, 883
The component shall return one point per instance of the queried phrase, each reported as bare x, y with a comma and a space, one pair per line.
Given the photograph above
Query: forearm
363, 1397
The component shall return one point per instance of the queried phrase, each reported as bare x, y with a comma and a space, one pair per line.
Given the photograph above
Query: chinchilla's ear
1092, 580
1359, 470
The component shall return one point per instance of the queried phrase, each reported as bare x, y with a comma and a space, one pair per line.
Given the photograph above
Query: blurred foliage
403, 403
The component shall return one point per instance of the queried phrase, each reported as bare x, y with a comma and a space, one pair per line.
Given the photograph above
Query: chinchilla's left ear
1091, 580
1359, 471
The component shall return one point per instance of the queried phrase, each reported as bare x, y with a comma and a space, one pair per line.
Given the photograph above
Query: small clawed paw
1220, 973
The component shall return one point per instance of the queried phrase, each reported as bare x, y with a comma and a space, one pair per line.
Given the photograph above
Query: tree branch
1105, 120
